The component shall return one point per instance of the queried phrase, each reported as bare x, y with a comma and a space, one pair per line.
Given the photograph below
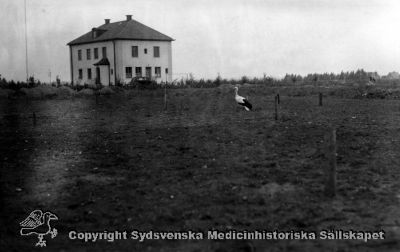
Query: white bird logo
38, 223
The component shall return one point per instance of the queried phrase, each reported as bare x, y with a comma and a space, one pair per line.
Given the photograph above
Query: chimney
94, 32
128, 17
107, 21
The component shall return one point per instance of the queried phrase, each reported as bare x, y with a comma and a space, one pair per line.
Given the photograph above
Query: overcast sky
234, 38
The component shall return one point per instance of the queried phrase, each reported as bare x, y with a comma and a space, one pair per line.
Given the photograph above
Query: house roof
102, 62
122, 30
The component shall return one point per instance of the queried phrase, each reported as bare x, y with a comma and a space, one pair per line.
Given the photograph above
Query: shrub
142, 83
106, 91
86, 92
65, 91
5, 93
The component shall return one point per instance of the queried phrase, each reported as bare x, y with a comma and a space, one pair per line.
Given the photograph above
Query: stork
242, 101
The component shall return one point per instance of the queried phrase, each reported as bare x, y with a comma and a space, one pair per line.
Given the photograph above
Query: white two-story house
117, 52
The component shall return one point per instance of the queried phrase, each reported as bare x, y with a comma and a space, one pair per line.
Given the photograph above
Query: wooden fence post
165, 96
276, 107
34, 118
330, 154
320, 99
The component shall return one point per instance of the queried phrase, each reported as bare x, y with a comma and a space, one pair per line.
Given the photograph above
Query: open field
123, 163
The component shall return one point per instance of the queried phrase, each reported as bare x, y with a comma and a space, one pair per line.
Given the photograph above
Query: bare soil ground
123, 163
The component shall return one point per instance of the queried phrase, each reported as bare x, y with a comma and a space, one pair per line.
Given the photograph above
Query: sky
233, 38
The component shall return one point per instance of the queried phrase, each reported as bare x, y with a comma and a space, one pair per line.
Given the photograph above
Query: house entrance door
98, 75
148, 72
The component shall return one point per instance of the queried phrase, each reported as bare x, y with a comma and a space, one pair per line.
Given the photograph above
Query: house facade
120, 52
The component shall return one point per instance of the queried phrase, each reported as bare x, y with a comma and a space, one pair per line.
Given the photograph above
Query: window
104, 52
80, 75
157, 71
128, 72
138, 71
96, 53
166, 70
89, 73
145, 51
156, 50
88, 54
135, 51
79, 54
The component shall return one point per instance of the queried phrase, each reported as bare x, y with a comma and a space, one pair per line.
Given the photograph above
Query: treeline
11, 84
32, 82
181, 83
359, 75
352, 76
289, 79
204, 83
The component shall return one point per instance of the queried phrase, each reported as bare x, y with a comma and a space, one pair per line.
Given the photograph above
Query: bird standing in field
38, 223
242, 101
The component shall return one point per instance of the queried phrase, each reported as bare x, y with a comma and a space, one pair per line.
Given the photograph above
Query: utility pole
26, 47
